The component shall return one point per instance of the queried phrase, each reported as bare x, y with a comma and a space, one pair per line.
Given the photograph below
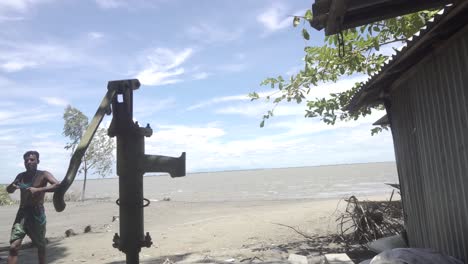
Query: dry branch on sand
359, 223
362, 222
365, 221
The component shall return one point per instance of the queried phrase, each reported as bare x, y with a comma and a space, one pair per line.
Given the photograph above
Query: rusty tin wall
430, 129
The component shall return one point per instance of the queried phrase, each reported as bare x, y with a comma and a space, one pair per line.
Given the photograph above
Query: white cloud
10, 142
55, 101
32, 118
201, 75
16, 5
53, 155
163, 66
211, 148
302, 126
155, 78
10, 18
294, 70
323, 90
20, 6
43, 136
13, 90
17, 65
8, 134
186, 133
240, 56
211, 33
20, 56
207, 147
233, 67
256, 109
5, 104
4, 82
171, 139
389, 50
216, 100
95, 35
244, 106
29, 116
129, 4
277, 17
245, 109
106, 4
147, 107
15, 141
274, 18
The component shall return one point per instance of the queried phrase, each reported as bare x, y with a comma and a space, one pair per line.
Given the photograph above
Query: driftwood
361, 222
365, 221
297, 231
168, 261
252, 259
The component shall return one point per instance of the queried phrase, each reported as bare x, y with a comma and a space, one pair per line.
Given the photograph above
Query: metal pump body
132, 164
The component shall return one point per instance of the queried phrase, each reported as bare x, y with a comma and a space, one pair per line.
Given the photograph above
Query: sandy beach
221, 231
208, 231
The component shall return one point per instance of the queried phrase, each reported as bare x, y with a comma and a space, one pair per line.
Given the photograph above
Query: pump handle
75, 161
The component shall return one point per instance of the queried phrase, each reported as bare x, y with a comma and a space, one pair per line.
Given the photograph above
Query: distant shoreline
239, 170
296, 167
256, 169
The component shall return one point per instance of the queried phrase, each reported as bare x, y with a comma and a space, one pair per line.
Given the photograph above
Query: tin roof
383, 121
337, 15
450, 20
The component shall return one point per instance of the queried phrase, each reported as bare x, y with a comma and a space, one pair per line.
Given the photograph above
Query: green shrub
4, 197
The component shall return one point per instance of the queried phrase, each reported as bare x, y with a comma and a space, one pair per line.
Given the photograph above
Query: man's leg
16, 238
37, 234
41, 254
13, 253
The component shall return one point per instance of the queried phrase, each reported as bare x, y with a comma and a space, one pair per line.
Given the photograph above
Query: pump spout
174, 166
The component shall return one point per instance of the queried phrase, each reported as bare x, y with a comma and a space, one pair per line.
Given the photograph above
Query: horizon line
158, 174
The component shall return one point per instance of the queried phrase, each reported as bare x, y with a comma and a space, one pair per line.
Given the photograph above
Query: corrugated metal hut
424, 88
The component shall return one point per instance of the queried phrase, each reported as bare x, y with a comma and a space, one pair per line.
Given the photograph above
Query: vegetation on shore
4, 196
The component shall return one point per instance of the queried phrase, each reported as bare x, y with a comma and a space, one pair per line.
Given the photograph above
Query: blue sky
196, 60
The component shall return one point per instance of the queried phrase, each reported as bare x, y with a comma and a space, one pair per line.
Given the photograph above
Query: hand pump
132, 163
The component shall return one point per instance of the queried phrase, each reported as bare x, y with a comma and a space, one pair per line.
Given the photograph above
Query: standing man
30, 219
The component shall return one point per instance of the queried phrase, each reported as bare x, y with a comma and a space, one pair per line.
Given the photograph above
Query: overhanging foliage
357, 51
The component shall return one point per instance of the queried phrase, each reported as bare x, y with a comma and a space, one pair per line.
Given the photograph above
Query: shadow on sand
28, 253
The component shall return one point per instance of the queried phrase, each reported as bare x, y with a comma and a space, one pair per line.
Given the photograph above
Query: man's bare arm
53, 184
12, 187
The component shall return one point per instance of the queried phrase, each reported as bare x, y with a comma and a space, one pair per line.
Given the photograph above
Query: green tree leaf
308, 14
363, 56
296, 21
253, 96
305, 34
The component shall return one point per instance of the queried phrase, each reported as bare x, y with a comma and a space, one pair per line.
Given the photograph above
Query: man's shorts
30, 221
